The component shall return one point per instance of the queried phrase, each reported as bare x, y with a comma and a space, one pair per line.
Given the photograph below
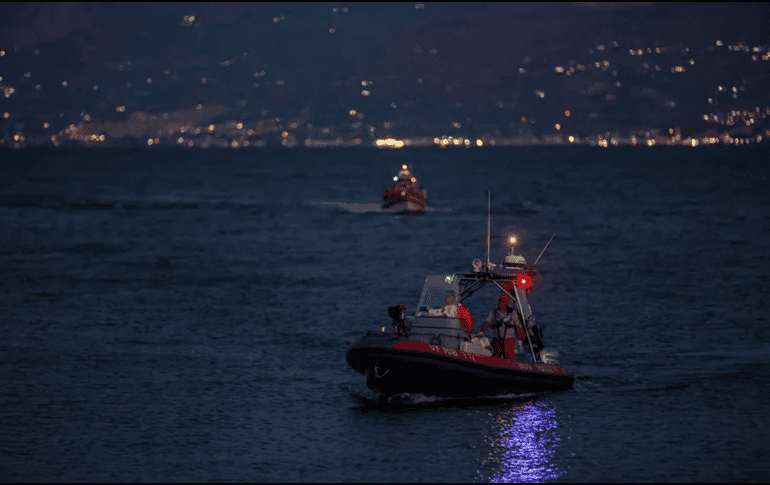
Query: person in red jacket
466, 318
507, 333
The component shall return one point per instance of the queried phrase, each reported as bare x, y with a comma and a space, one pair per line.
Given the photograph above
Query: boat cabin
430, 324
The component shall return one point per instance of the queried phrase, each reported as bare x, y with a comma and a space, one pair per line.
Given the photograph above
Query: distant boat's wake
348, 206
355, 207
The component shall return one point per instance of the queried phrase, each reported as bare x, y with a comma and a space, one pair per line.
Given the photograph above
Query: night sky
381, 69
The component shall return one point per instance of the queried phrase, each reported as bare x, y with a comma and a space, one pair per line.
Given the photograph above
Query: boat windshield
434, 294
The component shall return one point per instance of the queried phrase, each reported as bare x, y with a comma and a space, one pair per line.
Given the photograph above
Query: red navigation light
523, 281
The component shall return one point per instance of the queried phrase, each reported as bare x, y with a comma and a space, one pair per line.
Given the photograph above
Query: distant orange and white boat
405, 196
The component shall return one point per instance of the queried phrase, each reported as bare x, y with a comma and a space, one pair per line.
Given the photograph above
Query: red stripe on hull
417, 367
481, 359
411, 202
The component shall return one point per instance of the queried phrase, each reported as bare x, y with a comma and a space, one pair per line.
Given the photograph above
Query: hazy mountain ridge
429, 67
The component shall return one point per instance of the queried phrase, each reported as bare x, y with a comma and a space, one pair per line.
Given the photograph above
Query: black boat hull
447, 373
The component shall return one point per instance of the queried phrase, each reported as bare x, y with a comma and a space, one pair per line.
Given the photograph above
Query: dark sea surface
174, 315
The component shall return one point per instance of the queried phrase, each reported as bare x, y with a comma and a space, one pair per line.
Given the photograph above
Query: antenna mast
489, 222
541, 252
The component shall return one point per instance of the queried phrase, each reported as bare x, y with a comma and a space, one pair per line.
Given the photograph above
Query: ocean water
174, 315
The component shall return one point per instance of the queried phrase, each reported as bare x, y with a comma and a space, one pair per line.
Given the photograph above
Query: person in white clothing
450, 306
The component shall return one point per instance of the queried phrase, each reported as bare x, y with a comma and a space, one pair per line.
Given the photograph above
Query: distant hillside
470, 68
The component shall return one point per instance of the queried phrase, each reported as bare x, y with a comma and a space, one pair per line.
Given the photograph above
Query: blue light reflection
527, 442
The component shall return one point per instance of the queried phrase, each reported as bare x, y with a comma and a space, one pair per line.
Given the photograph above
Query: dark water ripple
183, 316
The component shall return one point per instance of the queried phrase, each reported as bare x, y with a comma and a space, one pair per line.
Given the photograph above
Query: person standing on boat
453, 310
506, 329
466, 318
400, 326
450, 306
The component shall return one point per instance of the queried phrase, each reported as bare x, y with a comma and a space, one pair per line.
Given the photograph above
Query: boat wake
353, 207
358, 208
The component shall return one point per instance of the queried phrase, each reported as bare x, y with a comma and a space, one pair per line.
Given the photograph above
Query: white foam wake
356, 207
348, 206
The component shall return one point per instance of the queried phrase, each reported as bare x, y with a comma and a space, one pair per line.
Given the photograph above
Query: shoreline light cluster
601, 72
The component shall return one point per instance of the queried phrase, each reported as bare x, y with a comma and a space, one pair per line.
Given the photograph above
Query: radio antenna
489, 222
541, 252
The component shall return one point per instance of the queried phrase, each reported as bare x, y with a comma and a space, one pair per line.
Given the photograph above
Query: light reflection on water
527, 440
